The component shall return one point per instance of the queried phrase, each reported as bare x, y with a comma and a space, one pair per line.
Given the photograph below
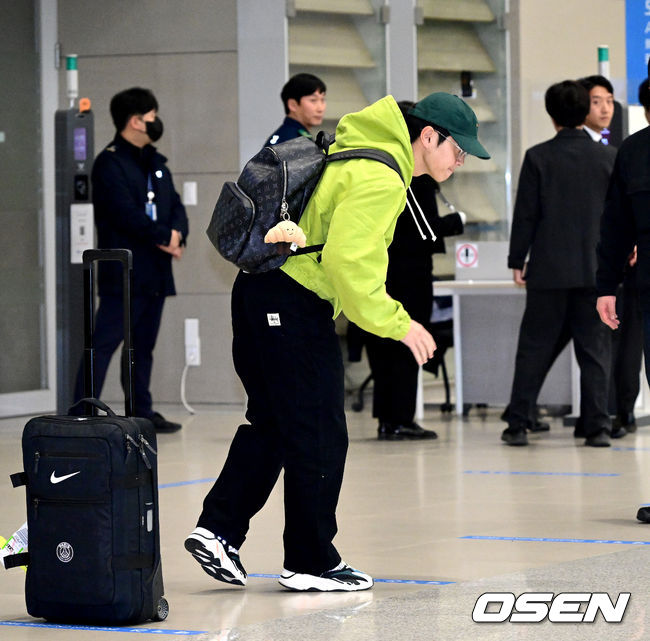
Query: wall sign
637, 42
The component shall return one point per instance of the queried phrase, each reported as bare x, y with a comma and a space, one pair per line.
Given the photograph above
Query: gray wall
186, 52
21, 276
559, 40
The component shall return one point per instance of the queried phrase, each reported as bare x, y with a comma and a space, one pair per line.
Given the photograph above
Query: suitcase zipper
38, 456
140, 447
130, 441
144, 443
36, 502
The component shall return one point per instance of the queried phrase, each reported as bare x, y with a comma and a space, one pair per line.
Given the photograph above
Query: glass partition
343, 43
462, 49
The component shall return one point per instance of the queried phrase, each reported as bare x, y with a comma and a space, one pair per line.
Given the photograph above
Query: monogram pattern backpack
275, 185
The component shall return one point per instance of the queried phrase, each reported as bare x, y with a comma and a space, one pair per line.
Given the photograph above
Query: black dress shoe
643, 514
515, 436
627, 420
163, 425
389, 432
579, 429
618, 431
599, 439
415, 431
395, 432
539, 426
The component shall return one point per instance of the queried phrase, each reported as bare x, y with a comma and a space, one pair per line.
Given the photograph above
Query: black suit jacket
410, 264
626, 219
560, 199
119, 179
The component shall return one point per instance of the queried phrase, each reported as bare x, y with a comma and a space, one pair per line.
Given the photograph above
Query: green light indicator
71, 62
603, 54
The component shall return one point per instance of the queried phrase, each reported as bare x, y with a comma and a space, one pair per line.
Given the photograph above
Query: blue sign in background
637, 36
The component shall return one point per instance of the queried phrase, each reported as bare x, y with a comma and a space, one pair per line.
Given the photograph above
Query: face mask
154, 129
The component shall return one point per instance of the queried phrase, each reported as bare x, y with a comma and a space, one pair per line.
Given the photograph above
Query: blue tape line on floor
553, 540
630, 449
88, 628
162, 486
414, 581
510, 472
404, 581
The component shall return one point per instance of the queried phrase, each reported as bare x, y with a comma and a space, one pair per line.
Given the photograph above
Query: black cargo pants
287, 355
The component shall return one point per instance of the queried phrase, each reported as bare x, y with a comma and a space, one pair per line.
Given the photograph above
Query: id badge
150, 209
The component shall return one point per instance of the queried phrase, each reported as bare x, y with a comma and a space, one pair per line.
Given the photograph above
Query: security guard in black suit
561, 192
137, 208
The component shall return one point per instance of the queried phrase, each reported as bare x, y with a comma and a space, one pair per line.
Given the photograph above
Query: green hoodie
353, 211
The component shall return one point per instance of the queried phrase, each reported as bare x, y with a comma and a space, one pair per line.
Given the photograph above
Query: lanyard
150, 206
150, 192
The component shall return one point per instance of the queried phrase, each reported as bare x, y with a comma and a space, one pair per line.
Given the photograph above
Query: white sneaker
217, 558
342, 578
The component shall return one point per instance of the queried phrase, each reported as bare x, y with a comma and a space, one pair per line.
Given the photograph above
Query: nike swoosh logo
57, 479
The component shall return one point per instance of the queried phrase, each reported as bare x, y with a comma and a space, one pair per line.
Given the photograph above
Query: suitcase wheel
162, 610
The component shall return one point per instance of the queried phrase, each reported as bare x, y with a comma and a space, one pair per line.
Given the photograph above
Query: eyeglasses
460, 154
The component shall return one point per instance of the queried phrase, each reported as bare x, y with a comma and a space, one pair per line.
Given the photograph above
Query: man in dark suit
136, 207
561, 192
626, 223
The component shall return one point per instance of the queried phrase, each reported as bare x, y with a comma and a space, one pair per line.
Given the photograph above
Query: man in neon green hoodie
287, 354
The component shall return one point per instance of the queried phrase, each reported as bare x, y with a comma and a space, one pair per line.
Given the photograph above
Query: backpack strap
307, 250
371, 154
324, 140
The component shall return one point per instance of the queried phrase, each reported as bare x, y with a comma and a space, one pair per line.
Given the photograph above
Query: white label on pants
274, 320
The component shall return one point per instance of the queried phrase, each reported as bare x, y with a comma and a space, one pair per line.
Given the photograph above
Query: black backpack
275, 185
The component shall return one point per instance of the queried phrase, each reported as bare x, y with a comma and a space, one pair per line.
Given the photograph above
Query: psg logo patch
64, 552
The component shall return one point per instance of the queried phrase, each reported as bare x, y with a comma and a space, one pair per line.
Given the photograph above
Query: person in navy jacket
303, 97
136, 207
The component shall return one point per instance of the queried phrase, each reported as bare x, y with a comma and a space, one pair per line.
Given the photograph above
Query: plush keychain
286, 231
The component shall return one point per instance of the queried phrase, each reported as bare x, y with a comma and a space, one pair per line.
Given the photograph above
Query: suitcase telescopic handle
90, 257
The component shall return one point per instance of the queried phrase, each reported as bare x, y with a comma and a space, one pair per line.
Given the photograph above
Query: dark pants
146, 312
627, 345
644, 300
548, 313
288, 357
395, 376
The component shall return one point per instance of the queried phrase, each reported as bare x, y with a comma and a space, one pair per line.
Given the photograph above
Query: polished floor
436, 523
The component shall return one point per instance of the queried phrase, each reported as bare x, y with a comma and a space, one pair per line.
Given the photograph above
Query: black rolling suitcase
92, 500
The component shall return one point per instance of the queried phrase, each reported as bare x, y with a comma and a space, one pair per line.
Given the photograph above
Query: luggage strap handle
125, 257
18, 479
95, 402
16, 560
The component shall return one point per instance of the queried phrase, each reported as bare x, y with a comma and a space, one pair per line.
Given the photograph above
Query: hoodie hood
353, 211
378, 126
